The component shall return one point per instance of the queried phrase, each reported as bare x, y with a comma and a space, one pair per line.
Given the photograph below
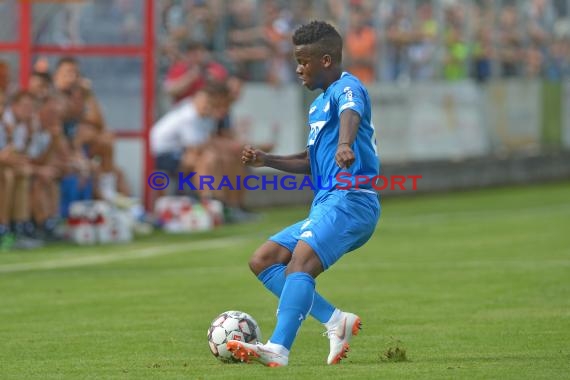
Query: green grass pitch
472, 285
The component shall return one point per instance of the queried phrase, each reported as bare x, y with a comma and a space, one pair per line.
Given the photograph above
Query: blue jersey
347, 93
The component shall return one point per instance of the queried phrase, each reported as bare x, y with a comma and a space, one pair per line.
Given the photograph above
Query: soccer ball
231, 325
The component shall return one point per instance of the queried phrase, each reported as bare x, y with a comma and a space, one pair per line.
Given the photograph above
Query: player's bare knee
261, 260
256, 264
267, 255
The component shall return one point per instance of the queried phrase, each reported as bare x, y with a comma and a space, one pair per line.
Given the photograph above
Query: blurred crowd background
404, 40
386, 40
85, 115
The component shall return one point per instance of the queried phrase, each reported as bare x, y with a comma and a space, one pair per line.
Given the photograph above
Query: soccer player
341, 140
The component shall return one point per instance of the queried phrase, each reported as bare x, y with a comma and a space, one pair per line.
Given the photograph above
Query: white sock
108, 186
277, 348
334, 319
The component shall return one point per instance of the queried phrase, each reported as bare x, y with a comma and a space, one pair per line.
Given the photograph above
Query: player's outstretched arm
295, 163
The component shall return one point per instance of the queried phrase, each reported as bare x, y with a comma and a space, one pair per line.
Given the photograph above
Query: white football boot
247, 352
340, 335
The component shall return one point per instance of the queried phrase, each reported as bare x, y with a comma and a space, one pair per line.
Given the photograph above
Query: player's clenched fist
344, 156
252, 157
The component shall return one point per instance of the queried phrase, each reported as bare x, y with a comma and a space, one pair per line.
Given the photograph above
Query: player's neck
333, 76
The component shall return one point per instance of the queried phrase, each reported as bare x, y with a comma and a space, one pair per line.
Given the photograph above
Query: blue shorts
340, 222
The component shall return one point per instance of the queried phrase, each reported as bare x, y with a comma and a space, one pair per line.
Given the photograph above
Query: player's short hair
323, 36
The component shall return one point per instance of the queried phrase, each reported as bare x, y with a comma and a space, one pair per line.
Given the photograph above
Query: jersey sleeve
350, 95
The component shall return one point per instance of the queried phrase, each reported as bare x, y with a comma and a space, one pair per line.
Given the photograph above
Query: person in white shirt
180, 141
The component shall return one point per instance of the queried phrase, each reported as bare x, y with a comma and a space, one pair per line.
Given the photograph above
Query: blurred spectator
456, 55
360, 40
510, 43
47, 158
5, 85
7, 162
173, 21
334, 9
399, 36
482, 55
533, 62
424, 48
91, 143
558, 62
67, 76
16, 130
179, 139
456, 47
42, 66
40, 85
246, 46
540, 16
278, 31
77, 181
190, 73
201, 23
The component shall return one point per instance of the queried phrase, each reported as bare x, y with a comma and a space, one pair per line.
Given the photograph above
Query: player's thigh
340, 224
289, 236
364, 223
277, 249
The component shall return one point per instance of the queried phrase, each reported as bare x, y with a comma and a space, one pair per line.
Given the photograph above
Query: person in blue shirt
341, 151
